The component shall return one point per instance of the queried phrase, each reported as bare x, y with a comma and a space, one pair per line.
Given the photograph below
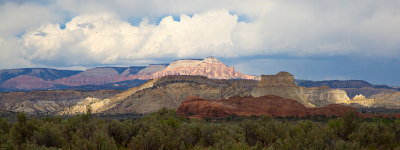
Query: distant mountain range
26, 79
352, 87
122, 78
340, 84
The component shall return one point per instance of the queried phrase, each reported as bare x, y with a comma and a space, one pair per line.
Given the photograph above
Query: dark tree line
166, 130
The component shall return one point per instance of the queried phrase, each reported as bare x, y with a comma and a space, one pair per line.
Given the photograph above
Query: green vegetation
166, 130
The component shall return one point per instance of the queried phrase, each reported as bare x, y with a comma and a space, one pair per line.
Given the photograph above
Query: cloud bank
101, 32
105, 38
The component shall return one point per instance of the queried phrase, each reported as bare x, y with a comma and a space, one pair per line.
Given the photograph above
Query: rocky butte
283, 85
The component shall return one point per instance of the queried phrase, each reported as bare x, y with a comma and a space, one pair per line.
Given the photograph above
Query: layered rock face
210, 67
269, 105
283, 85
321, 96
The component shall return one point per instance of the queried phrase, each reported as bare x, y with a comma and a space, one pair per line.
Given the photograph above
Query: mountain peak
211, 59
210, 67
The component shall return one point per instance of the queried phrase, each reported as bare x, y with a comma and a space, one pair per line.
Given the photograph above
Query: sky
312, 39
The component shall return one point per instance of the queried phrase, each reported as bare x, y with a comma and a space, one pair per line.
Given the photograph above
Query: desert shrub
230, 137
374, 136
345, 126
344, 145
264, 131
151, 139
167, 130
49, 135
305, 135
119, 131
22, 131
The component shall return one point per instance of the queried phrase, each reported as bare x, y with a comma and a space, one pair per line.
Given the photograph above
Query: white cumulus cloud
105, 38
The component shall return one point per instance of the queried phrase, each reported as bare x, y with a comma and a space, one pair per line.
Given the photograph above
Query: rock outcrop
269, 105
282, 79
283, 85
386, 99
322, 96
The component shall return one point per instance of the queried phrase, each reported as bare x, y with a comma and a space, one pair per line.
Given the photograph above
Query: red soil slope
247, 106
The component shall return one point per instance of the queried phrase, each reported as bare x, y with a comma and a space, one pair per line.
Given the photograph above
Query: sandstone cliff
322, 96
387, 99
